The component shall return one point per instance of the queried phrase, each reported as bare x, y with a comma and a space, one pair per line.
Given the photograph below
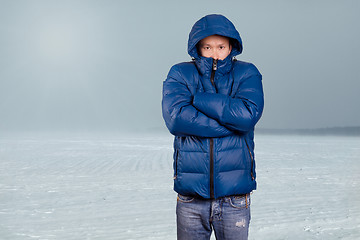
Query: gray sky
101, 64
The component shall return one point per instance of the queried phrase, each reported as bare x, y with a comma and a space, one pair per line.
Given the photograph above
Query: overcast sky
68, 65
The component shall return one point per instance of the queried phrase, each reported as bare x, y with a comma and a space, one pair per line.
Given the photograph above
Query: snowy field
120, 187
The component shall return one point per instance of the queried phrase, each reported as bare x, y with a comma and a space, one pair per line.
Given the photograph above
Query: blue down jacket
214, 123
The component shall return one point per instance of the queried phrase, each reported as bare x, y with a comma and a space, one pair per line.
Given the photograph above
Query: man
211, 105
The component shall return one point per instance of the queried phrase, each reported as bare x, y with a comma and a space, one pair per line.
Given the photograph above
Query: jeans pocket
240, 202
185, 199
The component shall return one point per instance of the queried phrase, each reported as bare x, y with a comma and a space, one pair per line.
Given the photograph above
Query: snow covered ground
120, 187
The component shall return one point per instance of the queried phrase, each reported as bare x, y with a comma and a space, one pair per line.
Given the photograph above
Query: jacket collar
204, 65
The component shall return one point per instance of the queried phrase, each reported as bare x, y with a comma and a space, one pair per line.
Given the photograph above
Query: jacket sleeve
240, 112
181, 117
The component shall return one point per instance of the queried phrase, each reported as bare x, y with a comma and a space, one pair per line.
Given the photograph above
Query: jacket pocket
252, 161
176, 163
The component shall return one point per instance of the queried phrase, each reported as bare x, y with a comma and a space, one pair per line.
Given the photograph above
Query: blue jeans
228, 216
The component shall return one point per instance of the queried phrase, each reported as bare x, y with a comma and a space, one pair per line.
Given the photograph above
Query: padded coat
214, 123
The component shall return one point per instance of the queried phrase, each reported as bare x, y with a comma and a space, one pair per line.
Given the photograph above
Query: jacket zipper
212, 195
211, 168
252, 161
214, 68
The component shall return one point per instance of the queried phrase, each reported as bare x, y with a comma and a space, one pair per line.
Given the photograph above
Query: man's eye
206, 48
222, 47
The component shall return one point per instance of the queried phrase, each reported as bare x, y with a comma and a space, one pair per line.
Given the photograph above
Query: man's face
215, 46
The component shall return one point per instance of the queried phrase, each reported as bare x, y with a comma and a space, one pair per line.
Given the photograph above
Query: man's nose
215, 55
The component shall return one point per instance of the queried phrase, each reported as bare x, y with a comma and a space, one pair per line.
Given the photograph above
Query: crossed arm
210, 114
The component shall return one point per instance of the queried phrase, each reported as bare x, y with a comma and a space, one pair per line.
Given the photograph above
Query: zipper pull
215, 64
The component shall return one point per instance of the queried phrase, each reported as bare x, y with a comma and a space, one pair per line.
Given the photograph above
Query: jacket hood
214, 24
